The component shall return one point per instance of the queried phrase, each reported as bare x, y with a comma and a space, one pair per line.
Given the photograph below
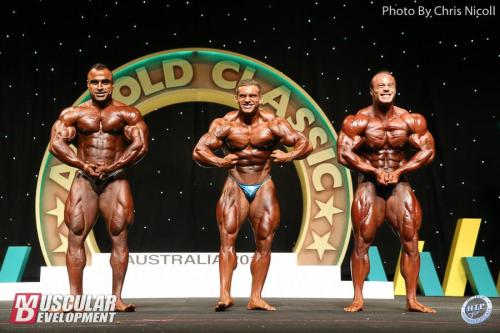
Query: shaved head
380, 74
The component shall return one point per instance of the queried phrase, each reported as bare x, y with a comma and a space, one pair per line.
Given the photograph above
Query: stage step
166, 275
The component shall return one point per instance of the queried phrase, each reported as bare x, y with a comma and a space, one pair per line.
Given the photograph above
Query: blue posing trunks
250, 190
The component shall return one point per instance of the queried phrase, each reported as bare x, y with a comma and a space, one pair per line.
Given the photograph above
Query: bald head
380, 76
383, 88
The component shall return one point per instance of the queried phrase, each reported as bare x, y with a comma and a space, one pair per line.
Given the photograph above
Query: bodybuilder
248, 139
109, 136
377, 142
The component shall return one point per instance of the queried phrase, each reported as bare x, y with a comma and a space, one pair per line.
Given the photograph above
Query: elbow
309, 149
304, 150
144, 150
141, 154
52, 149
195, 154
343, 158
431, 157
198, 158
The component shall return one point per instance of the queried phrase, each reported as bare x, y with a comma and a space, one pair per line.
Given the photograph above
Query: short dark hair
247, 82
382, 71
99, 65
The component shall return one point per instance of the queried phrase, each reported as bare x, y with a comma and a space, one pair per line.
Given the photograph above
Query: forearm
353, 161
205, 157
301, 150
133, 154
65, 154
417, 161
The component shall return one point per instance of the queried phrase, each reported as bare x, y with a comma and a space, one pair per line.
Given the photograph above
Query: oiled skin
109, 137
248, 138
377, 142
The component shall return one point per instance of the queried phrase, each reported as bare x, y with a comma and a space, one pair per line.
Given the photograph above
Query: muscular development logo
208, 75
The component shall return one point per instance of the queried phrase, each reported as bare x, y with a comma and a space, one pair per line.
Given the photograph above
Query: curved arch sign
209, 75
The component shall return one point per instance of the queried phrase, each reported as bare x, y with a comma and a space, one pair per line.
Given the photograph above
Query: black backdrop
447, 69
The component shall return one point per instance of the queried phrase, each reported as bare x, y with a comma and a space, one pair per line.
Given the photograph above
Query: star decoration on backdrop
327, 210
321, 244
58, 211
64, 244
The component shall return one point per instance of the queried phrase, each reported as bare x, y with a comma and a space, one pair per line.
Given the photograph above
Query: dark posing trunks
99, 184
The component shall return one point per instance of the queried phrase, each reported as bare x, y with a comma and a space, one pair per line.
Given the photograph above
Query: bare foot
357, 305
415, 306
120, 306
260, 304
223, 304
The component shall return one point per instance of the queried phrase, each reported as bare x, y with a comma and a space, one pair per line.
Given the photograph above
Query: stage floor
292, 315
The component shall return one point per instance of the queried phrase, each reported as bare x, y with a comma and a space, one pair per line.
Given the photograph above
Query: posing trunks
99, 184
383, 191
250, 190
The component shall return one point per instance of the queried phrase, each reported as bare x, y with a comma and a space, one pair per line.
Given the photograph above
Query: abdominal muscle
253, 166
387, 159
100, 148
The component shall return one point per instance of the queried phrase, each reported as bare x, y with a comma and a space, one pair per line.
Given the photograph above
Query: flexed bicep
62, 133
203, 152
289, 137
421, 139
138, 136
350, 140
137, 133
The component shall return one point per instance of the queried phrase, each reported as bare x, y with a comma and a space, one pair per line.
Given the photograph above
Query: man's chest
256, 136
104, 121
391, 133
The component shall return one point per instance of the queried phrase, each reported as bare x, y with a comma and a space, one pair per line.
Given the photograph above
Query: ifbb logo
158, 80
30, 308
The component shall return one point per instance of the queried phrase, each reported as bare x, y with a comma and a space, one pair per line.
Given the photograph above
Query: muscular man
109, 136
248, 138
376, 142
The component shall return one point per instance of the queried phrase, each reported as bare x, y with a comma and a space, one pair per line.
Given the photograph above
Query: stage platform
292, 315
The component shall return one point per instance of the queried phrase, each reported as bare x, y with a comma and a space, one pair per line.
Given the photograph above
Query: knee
263, 253
116, 228
76, 228
361, 250
264, 231
264, 245
227, 242
362, 243
227, 249
75, 223
411, 248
